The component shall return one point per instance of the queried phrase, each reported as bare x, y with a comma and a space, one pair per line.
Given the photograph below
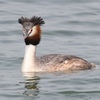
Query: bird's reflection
31, 84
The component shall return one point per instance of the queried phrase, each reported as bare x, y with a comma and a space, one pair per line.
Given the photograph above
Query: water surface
72, 27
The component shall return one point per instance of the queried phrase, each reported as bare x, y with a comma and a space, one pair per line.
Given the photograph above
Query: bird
31, 29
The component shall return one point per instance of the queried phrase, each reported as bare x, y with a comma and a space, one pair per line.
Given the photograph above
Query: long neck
29, 64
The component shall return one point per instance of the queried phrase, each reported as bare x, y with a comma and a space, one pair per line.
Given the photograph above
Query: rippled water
72, 27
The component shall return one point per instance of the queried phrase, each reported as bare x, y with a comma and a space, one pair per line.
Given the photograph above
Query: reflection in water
31, 84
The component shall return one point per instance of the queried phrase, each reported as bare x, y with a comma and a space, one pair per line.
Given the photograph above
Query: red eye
31, 30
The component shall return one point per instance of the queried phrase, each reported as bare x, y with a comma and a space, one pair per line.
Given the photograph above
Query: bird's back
60, 62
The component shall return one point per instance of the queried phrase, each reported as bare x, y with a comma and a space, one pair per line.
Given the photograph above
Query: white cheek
34, 32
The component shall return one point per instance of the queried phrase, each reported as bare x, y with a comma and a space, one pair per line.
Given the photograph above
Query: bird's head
31, 29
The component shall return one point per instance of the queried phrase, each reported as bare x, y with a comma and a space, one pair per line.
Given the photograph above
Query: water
72, 27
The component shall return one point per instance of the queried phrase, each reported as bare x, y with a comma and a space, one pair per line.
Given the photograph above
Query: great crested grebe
47, 63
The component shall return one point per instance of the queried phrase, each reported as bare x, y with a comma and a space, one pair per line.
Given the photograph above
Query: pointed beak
25, 35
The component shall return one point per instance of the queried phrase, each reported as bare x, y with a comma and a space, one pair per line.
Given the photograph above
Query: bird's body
60, 62
46, 63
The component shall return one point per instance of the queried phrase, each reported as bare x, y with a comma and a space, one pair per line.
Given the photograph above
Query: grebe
47, 63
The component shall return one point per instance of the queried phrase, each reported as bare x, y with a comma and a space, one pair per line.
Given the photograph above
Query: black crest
35, 20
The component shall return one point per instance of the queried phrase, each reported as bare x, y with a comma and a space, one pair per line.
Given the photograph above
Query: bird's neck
29, 62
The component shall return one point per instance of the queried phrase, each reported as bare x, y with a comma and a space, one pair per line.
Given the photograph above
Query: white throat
29, 62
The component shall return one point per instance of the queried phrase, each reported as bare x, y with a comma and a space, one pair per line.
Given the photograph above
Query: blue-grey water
72, 27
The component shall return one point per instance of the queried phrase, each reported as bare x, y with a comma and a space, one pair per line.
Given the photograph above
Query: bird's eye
31, 31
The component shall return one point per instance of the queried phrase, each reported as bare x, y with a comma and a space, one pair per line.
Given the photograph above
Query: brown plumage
34, 39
